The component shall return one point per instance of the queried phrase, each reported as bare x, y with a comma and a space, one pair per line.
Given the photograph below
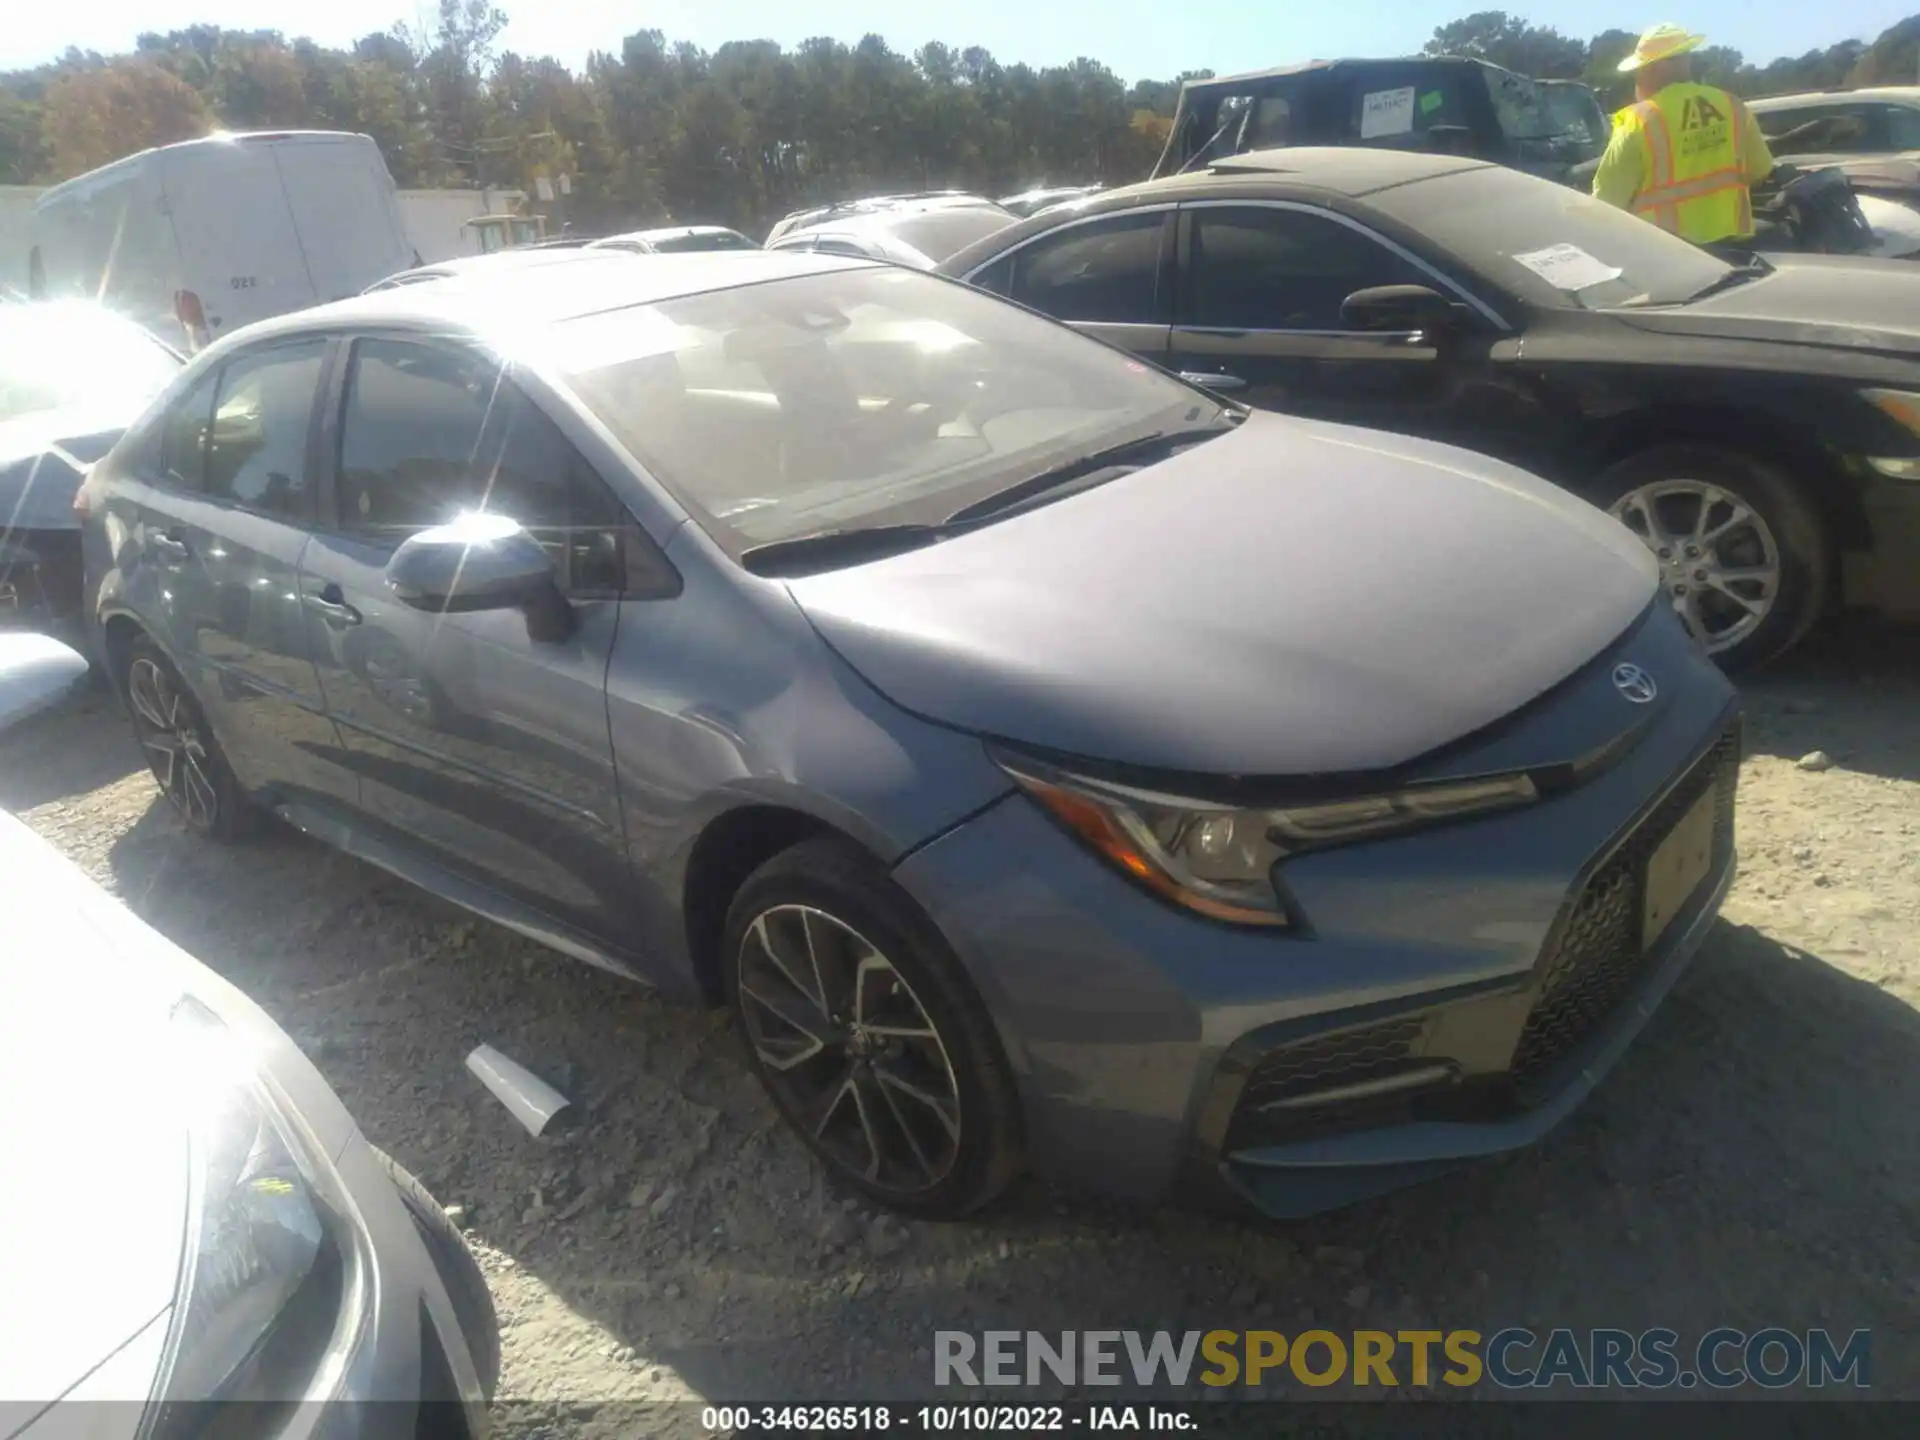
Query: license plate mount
1679, 864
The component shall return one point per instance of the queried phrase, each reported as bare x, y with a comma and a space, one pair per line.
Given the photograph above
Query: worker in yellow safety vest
1683, 155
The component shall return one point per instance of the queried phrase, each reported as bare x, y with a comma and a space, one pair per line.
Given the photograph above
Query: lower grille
1456, 1061
1272, 1104
1597, 958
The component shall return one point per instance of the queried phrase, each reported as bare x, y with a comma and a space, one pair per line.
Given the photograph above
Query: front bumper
1300, 1123
1462, 992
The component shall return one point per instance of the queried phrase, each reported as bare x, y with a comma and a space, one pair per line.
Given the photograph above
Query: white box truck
195, 240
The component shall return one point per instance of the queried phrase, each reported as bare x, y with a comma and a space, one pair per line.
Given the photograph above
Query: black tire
1785, 517
465, 1281
179, 746
951, 1169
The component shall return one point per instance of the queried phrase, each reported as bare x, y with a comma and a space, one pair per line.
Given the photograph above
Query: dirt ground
1753, 1161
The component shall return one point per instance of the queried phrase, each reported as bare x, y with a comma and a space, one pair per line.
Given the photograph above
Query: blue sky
1137, 38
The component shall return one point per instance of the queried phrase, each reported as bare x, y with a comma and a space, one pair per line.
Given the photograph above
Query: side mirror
1399, 307
481, 562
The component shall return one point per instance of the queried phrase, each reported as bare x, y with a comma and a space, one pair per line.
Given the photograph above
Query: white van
197, 239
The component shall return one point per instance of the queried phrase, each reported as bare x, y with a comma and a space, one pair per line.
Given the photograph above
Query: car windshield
1575, 116
1517, 101
59, 356
854, 398
1550, 244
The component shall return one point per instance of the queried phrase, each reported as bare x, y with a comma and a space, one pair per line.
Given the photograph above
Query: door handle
330, 604
1213, 380
169, 546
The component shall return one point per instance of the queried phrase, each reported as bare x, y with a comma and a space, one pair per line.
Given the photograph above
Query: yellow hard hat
1662, 42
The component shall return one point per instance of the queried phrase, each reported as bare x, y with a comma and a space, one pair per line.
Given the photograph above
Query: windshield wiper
1016, 495
830, 549
1752, 268
849, 545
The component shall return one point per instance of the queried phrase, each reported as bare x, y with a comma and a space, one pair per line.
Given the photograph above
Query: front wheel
868, 1036
1744, 557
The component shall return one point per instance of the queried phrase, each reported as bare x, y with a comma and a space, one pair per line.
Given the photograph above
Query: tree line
657, 131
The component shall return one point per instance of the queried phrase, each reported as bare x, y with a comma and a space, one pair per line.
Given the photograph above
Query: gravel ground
1752, 1163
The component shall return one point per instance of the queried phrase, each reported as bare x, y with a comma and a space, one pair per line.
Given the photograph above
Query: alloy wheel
1719, 561
848, 1049
169, 732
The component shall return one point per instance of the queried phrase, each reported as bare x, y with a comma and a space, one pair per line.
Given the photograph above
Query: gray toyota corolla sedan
1051, 764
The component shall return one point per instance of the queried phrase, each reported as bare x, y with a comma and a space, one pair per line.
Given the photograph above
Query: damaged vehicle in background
498, 262
1450, 105
1000, 726
1757, 425
911, 234
73, 376
196, 1238
1872, 133
871, 204
1440, 104
1031, 202
675, 239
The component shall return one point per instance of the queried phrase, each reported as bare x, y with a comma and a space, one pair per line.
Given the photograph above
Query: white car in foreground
190, 1216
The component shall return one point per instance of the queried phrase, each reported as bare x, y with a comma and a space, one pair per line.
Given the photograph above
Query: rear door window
256, 451
1266, 268
1902, 127
1822, 129
1102, 271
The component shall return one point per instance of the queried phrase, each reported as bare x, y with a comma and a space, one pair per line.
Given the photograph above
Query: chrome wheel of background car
169, 731
841, 1035
1719, 561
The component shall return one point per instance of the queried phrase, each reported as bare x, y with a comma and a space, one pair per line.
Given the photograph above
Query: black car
1757, 424
1438, 104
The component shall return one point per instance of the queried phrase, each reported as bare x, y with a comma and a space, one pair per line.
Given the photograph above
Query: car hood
36, 673
45, 456
93, 1213
1835, 301
1290, 598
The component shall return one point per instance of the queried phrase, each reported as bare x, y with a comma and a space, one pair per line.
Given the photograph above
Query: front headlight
1900, 406
1217, 860
265, 1273
1903, 408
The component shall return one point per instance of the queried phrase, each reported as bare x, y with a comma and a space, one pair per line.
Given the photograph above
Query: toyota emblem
1634, 683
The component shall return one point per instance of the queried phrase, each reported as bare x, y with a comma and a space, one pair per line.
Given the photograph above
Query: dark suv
1443, 104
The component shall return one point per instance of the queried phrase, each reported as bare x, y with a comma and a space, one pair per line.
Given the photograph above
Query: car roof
523, 255
668, 232
1351, 170
1906, 94
89, 318
879, 205
219, 139
536, 295
1227, 83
